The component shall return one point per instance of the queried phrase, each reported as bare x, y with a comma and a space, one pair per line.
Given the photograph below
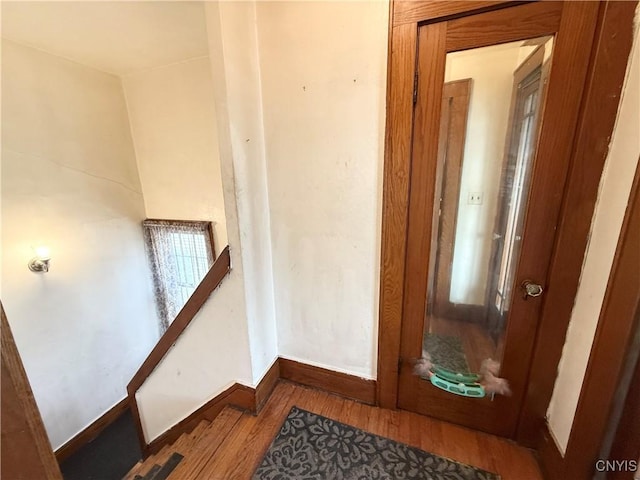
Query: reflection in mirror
491, 107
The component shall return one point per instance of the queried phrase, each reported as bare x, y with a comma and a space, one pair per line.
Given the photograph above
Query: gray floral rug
312, 447
446, 352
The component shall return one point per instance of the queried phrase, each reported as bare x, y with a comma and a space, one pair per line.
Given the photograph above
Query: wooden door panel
564, 91
411, 11
396, 177
508, 25
431, 67
626, 441
574, 25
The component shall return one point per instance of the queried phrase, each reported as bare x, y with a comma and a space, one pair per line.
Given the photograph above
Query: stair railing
221, 267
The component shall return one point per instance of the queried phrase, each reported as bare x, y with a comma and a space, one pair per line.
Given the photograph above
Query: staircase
193, 453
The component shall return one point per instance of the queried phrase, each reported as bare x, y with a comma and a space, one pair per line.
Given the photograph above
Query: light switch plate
475, 198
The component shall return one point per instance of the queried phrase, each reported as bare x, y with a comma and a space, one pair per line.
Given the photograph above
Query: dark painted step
152, 472
167, 468
161, 473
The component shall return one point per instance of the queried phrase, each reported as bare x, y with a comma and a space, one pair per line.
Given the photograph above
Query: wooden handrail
209, 283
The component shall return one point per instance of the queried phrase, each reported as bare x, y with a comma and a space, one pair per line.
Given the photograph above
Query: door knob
531, 289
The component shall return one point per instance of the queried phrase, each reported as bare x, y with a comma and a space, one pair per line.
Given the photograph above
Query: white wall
69, 180
321, 169
613, 197
210, 355
337, 250
325, 214
492, 72
323, 70
233, 339
237, 73
172, 115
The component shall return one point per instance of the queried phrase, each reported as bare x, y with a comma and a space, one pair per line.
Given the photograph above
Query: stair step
133, 473
231, 445
190, 452
224, 464
206, 444
152, 471
181, 445
187, 440
163, 455
141, 468
168, 467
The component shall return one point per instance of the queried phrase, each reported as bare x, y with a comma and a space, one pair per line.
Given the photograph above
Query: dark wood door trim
399, 124
609, 56
431, 67
414, 11
613, 337
536, 19
626, 441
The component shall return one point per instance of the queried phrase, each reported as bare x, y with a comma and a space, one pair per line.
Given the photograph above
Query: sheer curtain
180, 254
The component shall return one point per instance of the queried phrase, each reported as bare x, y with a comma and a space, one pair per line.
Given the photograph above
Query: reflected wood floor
232, 446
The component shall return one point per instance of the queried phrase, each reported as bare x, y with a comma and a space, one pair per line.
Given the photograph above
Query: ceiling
118, 37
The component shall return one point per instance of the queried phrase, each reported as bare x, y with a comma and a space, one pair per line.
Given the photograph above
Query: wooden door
625, 448
571, 32
453, 128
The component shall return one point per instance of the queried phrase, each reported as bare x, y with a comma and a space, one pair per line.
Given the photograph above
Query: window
180, 255
515, 188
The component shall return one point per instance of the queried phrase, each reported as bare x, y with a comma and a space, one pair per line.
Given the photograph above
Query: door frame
612, 343
549, 166
601, 94
26, 451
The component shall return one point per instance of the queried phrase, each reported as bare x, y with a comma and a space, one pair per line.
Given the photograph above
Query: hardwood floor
232, 446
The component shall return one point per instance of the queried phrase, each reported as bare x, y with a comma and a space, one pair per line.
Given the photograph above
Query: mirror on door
491, 106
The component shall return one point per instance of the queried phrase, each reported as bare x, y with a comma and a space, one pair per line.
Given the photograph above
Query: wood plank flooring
233, 444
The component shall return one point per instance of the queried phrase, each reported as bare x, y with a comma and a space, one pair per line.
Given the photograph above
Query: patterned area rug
312, 447
446, 352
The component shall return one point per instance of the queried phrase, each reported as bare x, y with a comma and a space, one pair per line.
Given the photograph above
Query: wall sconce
40, 263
